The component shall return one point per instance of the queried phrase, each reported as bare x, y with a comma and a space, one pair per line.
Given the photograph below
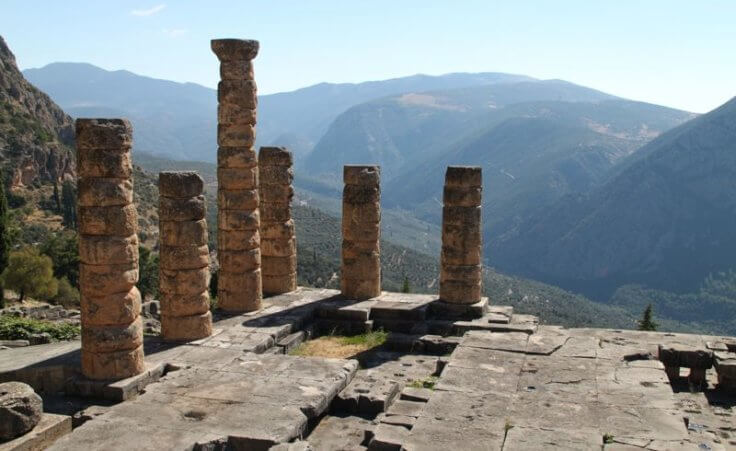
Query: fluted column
239, 286
461, 263
184, 257
112, 331
361, 232
278, 240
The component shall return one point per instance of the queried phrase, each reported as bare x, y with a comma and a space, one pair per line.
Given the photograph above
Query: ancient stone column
361, 232
184, 257
460, 277
238, 241
112, 332
278, 240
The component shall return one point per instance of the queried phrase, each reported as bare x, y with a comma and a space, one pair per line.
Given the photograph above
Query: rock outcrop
20, 409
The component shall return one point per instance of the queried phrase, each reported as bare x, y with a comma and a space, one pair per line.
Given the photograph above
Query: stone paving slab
49, 429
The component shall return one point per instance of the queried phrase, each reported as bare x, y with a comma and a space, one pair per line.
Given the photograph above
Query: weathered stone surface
113, 338
361, 175
238, 92
237, 178
182, 209
359, 213
462, 273
354, 249
186, 233
457, 292
278, 248
239, 219
101, 249
111, 221
235, 135
283, 230
180, 184
276, 193
20, 409
361, 231
462, 196
275, 156
111, 309
685, 356
275, 212
113, 365
174, 304
279, 266
461, 216
184, 281
103, 192
228, 50
238, 282
279, 284
237, 261
105, 163
47, 431
248, 296
184, 257
109, 134
238, 240
192, 327
276, 175
361, 288
361, 194
464, 176
236, 70
246, 199
101, 280
242, 157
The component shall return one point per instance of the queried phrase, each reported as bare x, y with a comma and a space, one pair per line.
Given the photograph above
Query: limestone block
364, 265
238, 219
369, 213
279, 284
186, 282
112, 365
113, 338
361, 175
103, 134
451, 255
275, 156
20, 409
238, 92
180, 184
279, 266
462, 196
244, 199
276, 193
361, 231
461, 216
361, 288
241, 282
114, 221
464, 176
191, 327
237, 178
229, 113
100, 192
179, 305
469, 273
460, 292
238, 240
236, 70
178, 209
235, 49
237, 261
352, 249
461, 237
105, 163
235, 135
184, 257
241, 301
276, 175
185, 233
101, 280
677, 355
275, 212
360, 194
111, 309
100, 249
278, 248
283, 230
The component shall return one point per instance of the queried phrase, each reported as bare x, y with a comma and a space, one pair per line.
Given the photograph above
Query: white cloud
175, 32
149, 11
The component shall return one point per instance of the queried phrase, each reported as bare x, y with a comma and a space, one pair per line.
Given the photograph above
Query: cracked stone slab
527, 438
643, 423
547, 340
501, 379
389, 437
550, 414
341, 432
579, 348
442, 434
510, 341
405, 408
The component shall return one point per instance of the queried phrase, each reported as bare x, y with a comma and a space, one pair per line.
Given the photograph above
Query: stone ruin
454, 372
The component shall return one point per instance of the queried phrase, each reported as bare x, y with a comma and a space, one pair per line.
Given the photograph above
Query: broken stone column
278, 240
239, 286
361, 232
112, 331
184, 257
461, 264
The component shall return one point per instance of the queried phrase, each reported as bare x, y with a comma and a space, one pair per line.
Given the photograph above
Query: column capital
235, 49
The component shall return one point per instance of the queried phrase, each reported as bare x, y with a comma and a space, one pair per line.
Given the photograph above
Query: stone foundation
112, 332
184, 257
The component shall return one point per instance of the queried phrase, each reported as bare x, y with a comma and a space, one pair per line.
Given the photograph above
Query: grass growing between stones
428, 382
15, 328
340, 347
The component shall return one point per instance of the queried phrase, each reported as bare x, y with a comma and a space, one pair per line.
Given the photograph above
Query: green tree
69, 204
405, 288
4, 236
148, 267
647, 320
63, 249
57, 197
30, 273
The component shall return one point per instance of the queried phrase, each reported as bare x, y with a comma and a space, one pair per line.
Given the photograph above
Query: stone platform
501, 381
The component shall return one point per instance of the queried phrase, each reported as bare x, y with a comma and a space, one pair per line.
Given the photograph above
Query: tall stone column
239, 286
361, 232
278, 240
460, 277
112, 331
184, 257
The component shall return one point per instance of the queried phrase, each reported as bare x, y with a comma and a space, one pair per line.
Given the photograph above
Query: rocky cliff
36, 136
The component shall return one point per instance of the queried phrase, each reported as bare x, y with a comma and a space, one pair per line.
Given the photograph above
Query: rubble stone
20, 409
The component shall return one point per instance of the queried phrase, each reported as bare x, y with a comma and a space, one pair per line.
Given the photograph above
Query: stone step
366, 396
341, 327
291, 341
421, 344
405, 311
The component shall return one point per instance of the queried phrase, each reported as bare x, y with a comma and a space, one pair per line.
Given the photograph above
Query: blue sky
670, 52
